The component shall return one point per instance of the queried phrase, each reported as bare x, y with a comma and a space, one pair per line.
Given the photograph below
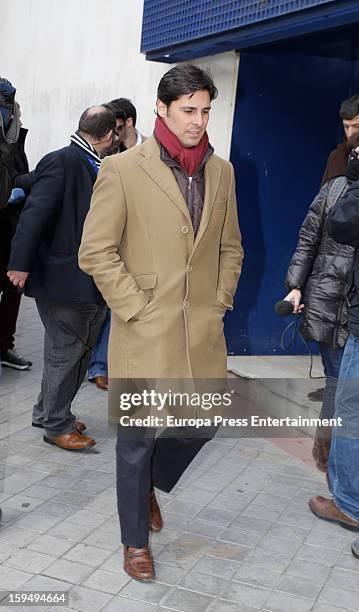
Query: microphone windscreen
283, 308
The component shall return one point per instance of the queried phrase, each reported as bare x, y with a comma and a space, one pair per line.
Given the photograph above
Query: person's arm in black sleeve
310, 235
39, 213
24, 181
343, 218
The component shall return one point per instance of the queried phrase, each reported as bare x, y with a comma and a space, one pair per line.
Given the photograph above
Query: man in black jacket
44, 260
343, 466
14, 163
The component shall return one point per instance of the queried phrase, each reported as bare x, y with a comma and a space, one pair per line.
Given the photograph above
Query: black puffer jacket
321, 268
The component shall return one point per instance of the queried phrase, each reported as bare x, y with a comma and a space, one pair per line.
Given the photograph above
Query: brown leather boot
321, 447
156, 522
138, 563
327, 510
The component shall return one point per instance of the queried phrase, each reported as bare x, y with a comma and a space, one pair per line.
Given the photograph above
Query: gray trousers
71, 331
145, 462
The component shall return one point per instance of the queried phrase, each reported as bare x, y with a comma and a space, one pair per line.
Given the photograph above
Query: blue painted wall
286, 123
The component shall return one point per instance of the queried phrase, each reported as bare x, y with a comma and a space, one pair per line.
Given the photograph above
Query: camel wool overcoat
167, 290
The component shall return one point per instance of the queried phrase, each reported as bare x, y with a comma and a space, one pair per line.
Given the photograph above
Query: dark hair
117, 111
127, 107
350, 107
97, 123
184, 79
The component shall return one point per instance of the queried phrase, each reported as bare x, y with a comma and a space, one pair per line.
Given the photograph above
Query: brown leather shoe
101, 382
321, 447
327, 510
73, 440
80, 426
156, 522
138, 563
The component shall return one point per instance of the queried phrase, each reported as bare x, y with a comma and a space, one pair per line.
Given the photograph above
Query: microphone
283, 308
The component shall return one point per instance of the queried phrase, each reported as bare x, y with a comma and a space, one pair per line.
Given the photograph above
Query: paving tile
35, 522
70, 531
317, 554
108, 582
267, 560
23, 502
215, 566
69, 571
30, 561
259, 511
87, 517
204, 528
256, 576
193, 542
184, 508
57, 510
122, 604
251, 523
186, 601
11, 578
18, 537
319, 607
103, 539
175, 521
228, 550
240, 536
6, 550
89, 555
168, 574
340, 597
347, 560
280, 546
46, 543
221, 605
114, 563
245, 594
344, 578
281, 602
305, 569
148, 592
295, 585
179, 557
289, 532
217, 516
334, 541
88, 600
202, 583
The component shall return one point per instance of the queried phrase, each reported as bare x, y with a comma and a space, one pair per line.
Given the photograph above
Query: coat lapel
212, 175
162, 175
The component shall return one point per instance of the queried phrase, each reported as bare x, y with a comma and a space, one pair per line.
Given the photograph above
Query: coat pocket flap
146, 281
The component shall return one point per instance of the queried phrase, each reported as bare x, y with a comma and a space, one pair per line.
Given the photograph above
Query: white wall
66, 55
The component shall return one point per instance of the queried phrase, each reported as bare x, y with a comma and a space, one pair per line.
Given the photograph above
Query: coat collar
161, 174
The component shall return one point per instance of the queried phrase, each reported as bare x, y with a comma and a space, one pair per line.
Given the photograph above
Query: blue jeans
331, 359
98, 363
343, 467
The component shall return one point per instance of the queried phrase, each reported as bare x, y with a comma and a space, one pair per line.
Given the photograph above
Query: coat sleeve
231, 251
24, 181
310, 236
343, 219
100, 246
39, 213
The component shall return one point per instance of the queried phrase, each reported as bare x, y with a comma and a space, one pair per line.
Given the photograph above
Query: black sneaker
11, 359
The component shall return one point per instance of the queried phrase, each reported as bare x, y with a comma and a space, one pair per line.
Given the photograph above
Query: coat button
189, 268
184, 229
185, 305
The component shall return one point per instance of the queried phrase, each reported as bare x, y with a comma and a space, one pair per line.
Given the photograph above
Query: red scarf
189, 157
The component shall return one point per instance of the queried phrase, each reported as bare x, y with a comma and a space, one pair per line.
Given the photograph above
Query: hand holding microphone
291, 304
